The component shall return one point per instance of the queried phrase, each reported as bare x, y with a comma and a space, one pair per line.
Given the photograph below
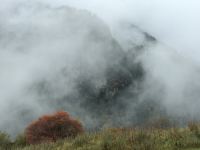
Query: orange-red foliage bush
50, 128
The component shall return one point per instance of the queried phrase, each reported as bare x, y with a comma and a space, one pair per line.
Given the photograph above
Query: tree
50, 128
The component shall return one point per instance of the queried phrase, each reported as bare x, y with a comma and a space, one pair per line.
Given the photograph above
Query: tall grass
118, 139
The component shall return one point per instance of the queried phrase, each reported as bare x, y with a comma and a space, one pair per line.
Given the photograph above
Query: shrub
193, 127
20, 140
50, 128
4, 140
160, 123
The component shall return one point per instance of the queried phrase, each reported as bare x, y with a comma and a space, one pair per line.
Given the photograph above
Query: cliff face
67, 59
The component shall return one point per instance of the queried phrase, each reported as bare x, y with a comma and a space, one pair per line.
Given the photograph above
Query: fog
49, 48
175, 23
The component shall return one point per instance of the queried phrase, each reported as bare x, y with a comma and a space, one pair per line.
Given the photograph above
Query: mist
60, 55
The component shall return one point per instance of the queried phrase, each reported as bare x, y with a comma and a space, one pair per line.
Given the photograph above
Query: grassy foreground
122, 139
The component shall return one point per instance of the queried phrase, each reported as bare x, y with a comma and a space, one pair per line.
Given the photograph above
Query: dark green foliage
194, 128
20, 141
5, 142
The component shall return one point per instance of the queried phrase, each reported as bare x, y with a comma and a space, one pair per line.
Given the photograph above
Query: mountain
64, 58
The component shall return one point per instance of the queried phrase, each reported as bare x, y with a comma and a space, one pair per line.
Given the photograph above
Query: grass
118, 139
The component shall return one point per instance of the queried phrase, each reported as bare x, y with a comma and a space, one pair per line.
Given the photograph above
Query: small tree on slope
50, 128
